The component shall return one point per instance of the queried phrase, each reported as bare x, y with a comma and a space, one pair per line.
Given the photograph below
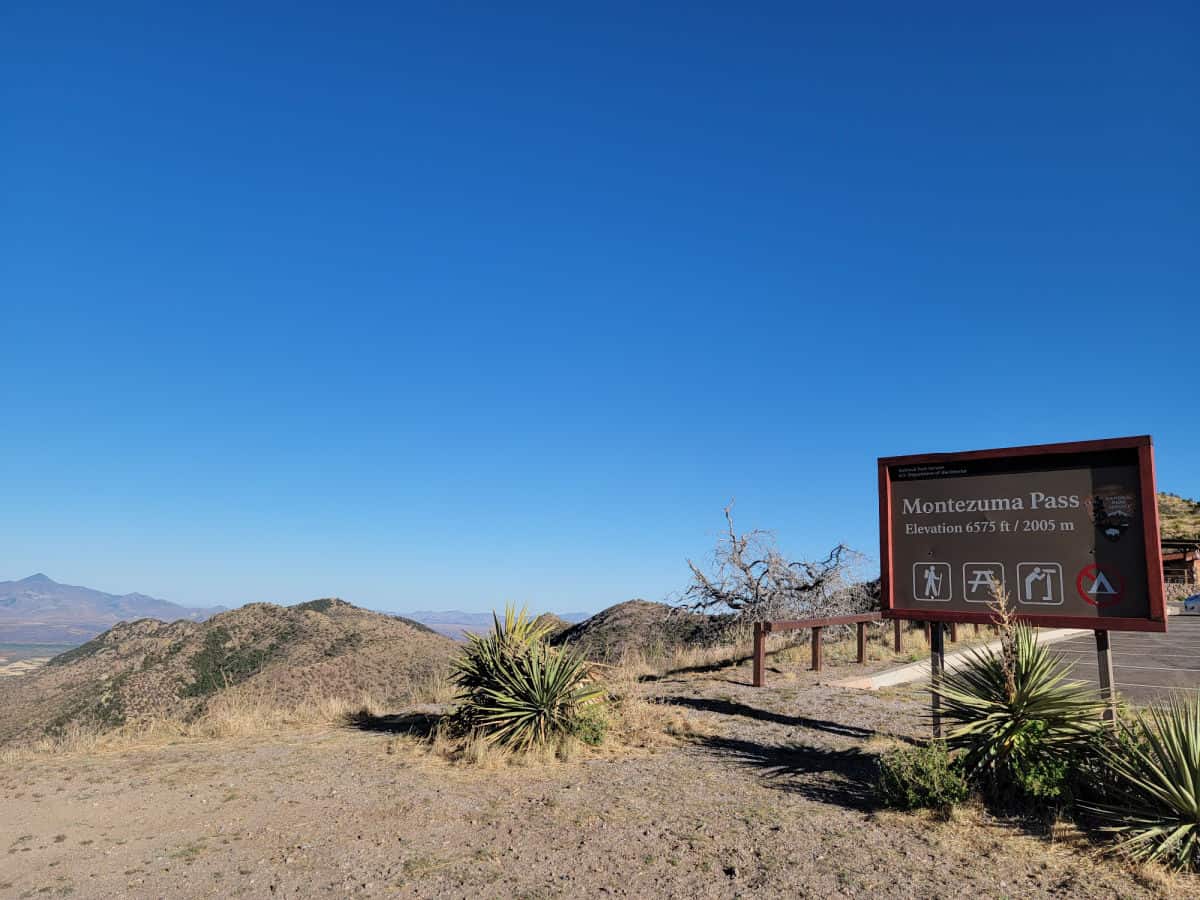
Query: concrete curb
919, 671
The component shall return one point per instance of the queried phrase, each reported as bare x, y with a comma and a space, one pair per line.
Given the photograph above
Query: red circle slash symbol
1100, 585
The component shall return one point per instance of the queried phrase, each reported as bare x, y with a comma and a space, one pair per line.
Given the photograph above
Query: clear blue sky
443, 305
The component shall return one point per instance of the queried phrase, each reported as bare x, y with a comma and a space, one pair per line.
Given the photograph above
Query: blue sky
443, 305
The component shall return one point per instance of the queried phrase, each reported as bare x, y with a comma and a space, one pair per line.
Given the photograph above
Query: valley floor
770, 797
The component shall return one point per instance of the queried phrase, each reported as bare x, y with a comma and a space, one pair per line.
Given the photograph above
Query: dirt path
773, 801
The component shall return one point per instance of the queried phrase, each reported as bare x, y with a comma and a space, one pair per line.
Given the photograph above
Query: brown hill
1178, 517
556, 624
640, 625
145, 670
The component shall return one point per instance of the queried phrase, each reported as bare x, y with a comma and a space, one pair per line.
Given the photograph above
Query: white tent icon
1101, 585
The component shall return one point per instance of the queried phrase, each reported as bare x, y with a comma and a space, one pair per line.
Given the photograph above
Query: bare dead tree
751, 578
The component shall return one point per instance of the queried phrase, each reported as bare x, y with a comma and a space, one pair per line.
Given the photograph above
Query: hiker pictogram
931, 581
1100, 585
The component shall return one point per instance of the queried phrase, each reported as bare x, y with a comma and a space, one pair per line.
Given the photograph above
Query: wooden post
928, 639
1105, 664
760, 654
954, 632
976, 627
937, 665
816, 647
862, 642
899, 643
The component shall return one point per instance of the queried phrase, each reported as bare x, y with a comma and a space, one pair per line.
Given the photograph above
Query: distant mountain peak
39, 609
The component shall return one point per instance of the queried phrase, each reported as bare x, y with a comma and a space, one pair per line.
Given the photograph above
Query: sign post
1104, 665
1069, 531
937, 667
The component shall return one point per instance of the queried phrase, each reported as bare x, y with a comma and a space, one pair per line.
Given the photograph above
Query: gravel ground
770, 797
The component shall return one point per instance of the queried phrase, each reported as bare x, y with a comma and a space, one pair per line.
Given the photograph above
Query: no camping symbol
1100, 585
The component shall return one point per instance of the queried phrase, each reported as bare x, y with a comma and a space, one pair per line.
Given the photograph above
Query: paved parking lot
1146, 666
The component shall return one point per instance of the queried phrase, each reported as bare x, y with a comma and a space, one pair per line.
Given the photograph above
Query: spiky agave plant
515, 689
1152, 802
1015, 718
485, 653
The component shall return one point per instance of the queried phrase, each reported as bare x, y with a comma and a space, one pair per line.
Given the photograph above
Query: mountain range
39, 610
456, 624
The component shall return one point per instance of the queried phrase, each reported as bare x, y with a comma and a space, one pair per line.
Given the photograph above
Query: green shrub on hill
219, 664
83, 651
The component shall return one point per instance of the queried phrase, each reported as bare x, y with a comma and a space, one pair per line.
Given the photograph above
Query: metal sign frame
1148, 500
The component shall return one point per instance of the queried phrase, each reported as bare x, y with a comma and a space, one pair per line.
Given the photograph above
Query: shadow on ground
699, 670
733, 708
838, 777
709, 668
418, 724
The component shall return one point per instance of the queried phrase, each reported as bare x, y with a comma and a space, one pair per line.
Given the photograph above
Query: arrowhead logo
1112, 510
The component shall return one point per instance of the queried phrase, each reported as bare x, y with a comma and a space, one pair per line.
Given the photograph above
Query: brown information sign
1069, 530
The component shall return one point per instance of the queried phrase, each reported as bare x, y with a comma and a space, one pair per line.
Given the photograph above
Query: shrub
1151, 794
515, 689
918, 777
591, 725
219, 664
1020, 726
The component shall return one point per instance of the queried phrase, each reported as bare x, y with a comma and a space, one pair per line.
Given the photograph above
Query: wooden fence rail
762, 629
817, 626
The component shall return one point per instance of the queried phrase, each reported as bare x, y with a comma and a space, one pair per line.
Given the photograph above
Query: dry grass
433, 688
234, 714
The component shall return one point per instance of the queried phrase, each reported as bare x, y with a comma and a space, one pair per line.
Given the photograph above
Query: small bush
591, 726
921, 777
1041, 781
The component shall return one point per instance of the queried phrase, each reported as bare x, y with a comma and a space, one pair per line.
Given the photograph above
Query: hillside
147, 669
39, 610
642, 626
1178, 516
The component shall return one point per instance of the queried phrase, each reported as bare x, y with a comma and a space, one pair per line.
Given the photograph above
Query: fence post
760, 655
976, 627
862, 642
954, 632
928, 639
816, 647
897, 636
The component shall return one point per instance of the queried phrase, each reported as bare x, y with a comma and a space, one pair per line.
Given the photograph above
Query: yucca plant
1016, 720
1152, 785
517, 690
